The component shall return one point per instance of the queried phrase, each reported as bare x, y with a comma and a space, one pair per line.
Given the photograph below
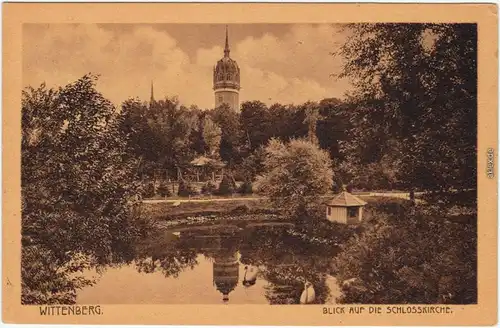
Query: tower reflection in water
225, 273
277, 256
222, 248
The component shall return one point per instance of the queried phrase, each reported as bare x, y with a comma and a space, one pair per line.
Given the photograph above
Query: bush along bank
216, 219
406, 255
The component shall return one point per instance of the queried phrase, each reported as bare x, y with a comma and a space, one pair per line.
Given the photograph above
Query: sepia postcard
250, 164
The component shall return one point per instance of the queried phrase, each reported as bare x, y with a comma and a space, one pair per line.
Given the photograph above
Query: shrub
186, 189
393, 209
415, 259
245, 188
314, 223
209, 188
336, 188
226, 186
241, 209
148, 190
338, 184
163, 189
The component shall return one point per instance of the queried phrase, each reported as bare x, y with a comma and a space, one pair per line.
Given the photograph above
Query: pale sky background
285, 63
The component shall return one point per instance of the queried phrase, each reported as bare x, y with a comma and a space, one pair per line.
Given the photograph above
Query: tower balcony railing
226, 84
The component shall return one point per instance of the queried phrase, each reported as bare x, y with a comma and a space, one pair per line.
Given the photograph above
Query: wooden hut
345, 208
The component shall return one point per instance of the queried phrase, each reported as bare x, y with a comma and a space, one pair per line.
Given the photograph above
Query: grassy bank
255, 207
169, 211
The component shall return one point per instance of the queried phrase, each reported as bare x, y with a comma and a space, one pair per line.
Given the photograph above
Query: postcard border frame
15, 14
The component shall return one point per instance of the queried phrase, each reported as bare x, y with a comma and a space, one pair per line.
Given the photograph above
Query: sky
284, 63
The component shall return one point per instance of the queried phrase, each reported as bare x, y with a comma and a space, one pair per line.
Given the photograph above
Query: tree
256, 123
295, 174
381, 174
172, 126
228, 121
163, 134
288, 122
253, 165
197, 143
77, 189
332, 125
415, 85
134, 124
311, 111
211, 136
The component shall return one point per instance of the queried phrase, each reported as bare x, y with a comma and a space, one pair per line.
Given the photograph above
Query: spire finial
226, 48
152, 94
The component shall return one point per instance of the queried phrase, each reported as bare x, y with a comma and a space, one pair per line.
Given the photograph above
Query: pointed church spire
152, 100
226, 48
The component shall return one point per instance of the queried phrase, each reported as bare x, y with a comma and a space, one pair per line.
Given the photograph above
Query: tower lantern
226, 80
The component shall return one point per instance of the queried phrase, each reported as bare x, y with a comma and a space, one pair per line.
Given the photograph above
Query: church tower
227, 80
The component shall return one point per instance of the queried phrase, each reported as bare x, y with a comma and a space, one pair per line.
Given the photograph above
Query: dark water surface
256, 264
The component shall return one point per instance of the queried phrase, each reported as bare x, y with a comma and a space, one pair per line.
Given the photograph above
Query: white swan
250, 276
308, 295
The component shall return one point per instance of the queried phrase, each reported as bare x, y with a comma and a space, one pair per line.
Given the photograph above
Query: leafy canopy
415, 100
78, 191
295, 174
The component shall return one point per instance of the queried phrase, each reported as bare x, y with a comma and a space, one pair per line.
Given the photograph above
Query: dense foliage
78, 190
415, 105
405, 258
166, 135
208, 188
295, 174
186, 189
163, 189
412, 126
227, 186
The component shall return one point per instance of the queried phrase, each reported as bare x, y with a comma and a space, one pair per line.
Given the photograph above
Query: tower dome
226, 80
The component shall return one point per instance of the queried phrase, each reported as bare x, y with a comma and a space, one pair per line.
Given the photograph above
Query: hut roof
346, 199
205, 161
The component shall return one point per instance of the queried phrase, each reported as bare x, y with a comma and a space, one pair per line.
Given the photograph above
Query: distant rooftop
346, 199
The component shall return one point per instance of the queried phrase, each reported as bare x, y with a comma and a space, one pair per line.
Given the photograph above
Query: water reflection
274, 263
289, 260
225, 272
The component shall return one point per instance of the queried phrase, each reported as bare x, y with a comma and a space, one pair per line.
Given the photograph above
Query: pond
222, 264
